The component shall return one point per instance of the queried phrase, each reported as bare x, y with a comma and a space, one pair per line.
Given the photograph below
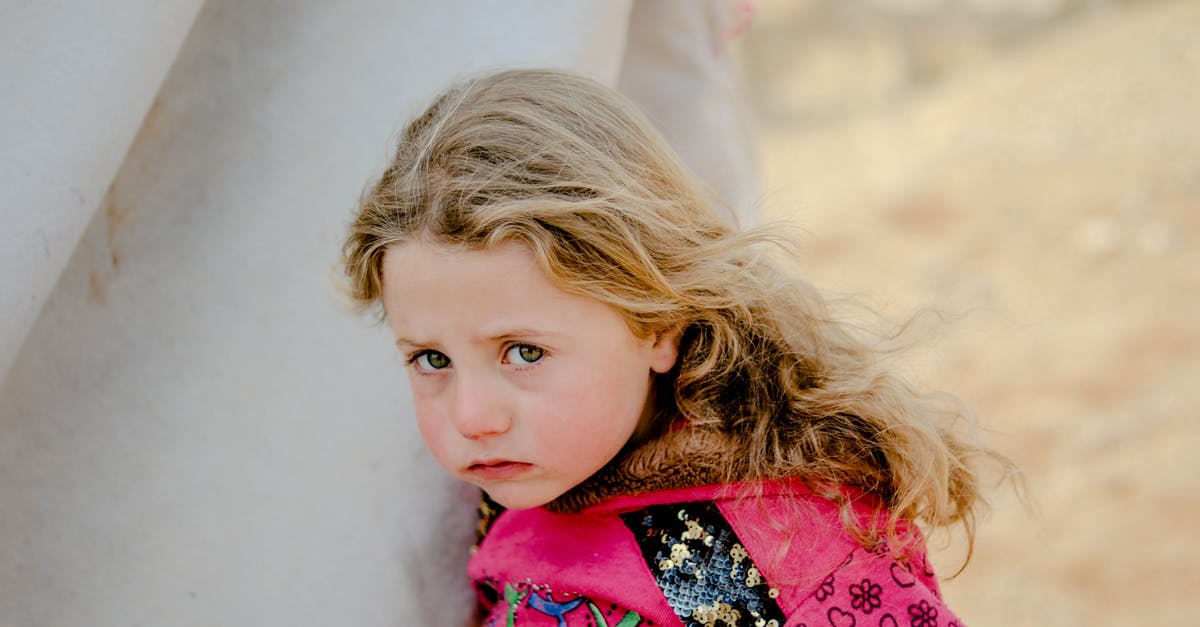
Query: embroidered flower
923, 614
825, 590
865, 596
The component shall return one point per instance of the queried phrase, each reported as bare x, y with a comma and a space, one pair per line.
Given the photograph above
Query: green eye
524, 354
431, 360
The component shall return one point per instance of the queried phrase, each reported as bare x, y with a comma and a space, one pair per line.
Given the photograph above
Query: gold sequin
679, 553
773, 593
710, 615
752, 577
738, 553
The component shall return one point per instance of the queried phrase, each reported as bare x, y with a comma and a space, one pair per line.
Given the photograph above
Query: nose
480, 407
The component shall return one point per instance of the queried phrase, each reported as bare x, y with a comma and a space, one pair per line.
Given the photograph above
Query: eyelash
414, 359
525, 364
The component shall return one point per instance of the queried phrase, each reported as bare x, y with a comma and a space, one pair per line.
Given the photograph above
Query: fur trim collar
683, 458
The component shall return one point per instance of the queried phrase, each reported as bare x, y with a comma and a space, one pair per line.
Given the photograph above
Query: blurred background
1030, 168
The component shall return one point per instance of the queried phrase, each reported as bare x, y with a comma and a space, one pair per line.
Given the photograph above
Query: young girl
669, 430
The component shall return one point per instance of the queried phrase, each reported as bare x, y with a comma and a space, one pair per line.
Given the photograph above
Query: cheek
431, 422
614, 396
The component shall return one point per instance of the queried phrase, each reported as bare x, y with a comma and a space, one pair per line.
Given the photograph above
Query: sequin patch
702, 568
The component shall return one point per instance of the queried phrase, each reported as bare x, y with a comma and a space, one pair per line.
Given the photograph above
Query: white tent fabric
76, 83
193, 429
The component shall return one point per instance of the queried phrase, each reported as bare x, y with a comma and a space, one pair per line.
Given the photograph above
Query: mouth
497, 469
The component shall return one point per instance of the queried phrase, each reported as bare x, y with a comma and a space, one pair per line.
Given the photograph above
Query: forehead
429, 287
422, 264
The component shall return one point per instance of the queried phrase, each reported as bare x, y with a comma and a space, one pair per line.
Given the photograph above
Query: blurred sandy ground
1031, 167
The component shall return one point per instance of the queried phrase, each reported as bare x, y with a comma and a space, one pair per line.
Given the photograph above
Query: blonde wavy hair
572, 170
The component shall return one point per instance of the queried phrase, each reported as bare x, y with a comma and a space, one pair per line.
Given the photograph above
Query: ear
665, 350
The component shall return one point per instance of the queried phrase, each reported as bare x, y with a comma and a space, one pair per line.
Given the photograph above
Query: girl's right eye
430, 361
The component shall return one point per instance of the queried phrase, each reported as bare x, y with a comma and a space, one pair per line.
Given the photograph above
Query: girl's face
520, 388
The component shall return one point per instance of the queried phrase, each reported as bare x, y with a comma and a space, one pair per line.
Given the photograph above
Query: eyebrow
401, 342
502, 336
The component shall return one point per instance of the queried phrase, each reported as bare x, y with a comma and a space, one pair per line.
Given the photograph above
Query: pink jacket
697, 556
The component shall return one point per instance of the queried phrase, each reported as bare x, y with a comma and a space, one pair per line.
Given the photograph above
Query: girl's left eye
523, 354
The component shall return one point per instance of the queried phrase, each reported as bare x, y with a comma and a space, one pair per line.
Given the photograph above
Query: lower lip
498, 472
